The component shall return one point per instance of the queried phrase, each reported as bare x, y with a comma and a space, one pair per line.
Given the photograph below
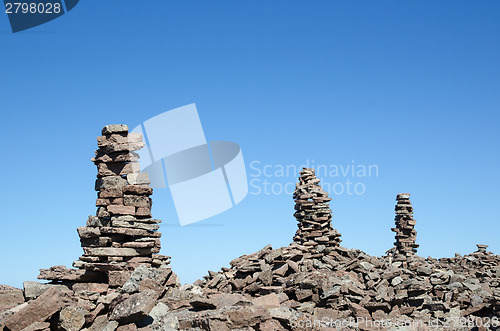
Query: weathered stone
110, 251
61, 273
136, 201
102, 323
38, 326
140, 178
160, 275
135, 225
10, 297
120, 210
33, 290
109, 183
143, 190
72, 318
128, 327
115, 128
88, 232
116, 169
39, 309
118, 278
134, 308
130, 232
269, 301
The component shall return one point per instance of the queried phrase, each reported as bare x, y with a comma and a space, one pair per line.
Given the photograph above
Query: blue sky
411, 87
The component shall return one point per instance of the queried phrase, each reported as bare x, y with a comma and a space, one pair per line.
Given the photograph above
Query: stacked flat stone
313, 213
122, 235
406, 235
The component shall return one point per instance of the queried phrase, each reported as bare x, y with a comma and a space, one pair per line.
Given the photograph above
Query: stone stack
122, 235
313, 213
406, 235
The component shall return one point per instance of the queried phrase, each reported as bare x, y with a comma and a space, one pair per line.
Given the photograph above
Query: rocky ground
121, 282
290, 288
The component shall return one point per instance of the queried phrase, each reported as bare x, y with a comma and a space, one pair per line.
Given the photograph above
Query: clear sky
410, 88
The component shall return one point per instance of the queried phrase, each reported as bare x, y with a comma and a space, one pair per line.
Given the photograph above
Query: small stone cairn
122, 235
406, 235
313, 213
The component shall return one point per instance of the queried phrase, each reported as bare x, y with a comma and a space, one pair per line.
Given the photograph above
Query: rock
115, 128
72, 318
142, 272
128, 327
118, 278
39, 309
133, 308
38, 326
268, 301
271, 325
203, 304
10, 297
109, 183
61, 273
140, 178
143, 190
247, 316
102, 323
359, 312
160, 318
110, 251
121, 210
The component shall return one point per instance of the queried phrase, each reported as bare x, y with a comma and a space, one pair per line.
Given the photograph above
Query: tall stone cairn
406, 235
122, 235
313, 213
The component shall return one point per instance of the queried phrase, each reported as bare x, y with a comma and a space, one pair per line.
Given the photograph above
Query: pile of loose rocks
309, 285
406, 235
313, 213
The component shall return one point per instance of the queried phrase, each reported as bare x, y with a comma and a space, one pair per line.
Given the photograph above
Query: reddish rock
268, 301
133, 308
61, 273
10, 297
120, 210
137, 190
118, 278
40, 309
128, 327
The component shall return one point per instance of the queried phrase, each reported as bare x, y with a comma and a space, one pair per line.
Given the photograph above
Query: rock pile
313, 213
313, 284
406, 235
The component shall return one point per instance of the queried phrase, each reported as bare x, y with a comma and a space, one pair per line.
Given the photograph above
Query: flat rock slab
115, 128
134, 308
111, 251
10, 297
40, 309
61, 273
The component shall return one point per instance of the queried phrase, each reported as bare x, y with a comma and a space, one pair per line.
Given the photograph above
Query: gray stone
102, 323
115, 128
138, 178
33, 290
134, 308
72, 318
38, 326
10, 297
160, 318
111, 251
110, 182
142, 272
135, 225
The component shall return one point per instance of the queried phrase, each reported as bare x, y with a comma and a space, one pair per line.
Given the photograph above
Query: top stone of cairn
115, 128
